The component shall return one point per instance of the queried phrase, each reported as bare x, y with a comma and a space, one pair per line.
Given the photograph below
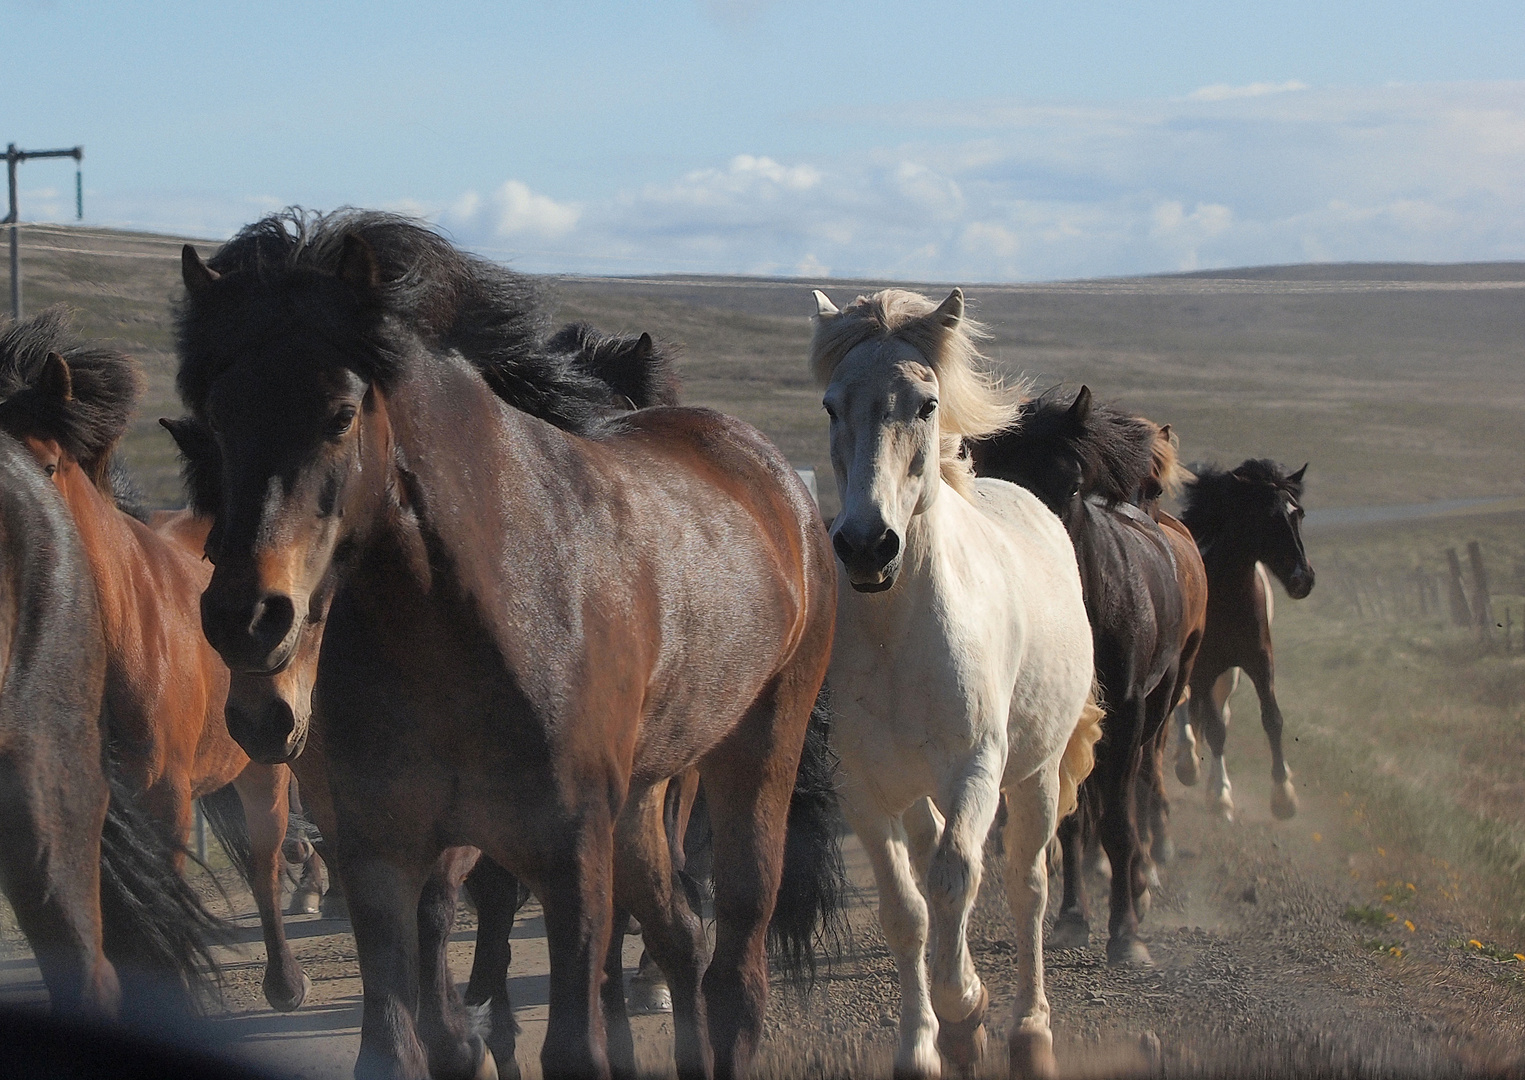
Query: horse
1246, 520
69, 403
532, 626
90, 878
962, 664
1144, 593
643, 373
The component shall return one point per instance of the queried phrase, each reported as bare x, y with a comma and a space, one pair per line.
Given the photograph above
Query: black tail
224, 812
157, 932
809, 911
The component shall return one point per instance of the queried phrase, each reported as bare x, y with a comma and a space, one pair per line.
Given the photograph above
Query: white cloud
1225, 92
1009, 190
512, 212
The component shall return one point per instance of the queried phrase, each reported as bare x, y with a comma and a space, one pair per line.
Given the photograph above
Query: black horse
115, 929
1090, 463
1242, 517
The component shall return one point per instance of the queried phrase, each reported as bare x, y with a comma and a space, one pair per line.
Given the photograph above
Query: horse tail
1079, 755
224, 812
809, 910
157, 932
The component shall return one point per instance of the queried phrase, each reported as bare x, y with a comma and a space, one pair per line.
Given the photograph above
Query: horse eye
928, 407
50, 469
341, 421
830, 412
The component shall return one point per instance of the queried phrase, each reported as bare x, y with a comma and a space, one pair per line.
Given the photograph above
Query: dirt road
1256, 963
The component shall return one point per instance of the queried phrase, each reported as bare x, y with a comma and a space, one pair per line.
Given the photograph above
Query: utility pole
14, 157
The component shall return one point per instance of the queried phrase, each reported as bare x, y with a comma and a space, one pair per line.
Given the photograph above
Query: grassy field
1400, 384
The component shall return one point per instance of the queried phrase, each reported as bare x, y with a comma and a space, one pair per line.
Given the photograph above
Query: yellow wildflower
1475, 943
1411, 887
1396, 951
1410, 924
1317, 837
1382, 852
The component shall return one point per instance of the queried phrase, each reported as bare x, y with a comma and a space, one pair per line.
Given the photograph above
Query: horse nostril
887, 547
272, 620
843, 548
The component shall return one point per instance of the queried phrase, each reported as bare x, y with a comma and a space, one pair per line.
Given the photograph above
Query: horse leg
959, 999
384, 893
576, 894
1188, 765
1283, 798
1117, 772
1033, 806
455, 1051
619, 1041
649, 888
1152, 809
748, 781
903, 915
496, 894
1209, 718
1072, 926
50, 867
263, 791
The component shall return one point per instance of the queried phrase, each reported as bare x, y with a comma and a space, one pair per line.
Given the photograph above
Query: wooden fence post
1482, 607
1461, 614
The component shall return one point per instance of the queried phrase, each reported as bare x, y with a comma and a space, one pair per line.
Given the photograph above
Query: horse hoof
963, 1042
1284, 800
1032, 1055
289, 1004
1128, 952
1071, 931
305, 902
647, 997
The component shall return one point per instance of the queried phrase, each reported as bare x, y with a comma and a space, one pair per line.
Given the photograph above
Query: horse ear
644, 348
1297, 477
823, 305
1080, 409
197, 275
187, 433
1165, 433
357, 264
951, 311
55, 381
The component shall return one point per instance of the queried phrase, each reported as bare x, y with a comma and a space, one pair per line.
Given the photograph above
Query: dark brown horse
69, 404
88, 875
1242, 519
1089, 463
531, 629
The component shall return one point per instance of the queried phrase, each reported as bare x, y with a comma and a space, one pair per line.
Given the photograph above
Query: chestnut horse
532, 627
69, 404
88, 875
1244, 519
1145, 590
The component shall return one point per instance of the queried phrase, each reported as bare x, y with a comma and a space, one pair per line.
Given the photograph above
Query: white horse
961, 666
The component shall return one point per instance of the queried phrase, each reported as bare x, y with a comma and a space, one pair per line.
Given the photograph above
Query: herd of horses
515, 619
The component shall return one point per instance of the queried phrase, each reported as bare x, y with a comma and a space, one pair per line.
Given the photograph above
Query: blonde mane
973, 400
1169, 473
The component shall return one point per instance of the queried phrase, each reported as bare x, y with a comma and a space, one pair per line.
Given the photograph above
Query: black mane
1218, 499
105, 388
284, 269
635, 366
1115, 450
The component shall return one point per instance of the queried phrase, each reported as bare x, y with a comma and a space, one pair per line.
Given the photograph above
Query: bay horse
69, 404
532, 626
1145, 591
643, 374
90, 878
962, 664
1246, 520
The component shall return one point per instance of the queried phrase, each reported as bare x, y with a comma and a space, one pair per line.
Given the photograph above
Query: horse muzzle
271, 734
1300, 583
871, 558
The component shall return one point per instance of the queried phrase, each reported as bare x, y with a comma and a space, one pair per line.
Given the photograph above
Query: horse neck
1229, 561
113, 550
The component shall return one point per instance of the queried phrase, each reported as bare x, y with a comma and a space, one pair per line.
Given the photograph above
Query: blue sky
971, 142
